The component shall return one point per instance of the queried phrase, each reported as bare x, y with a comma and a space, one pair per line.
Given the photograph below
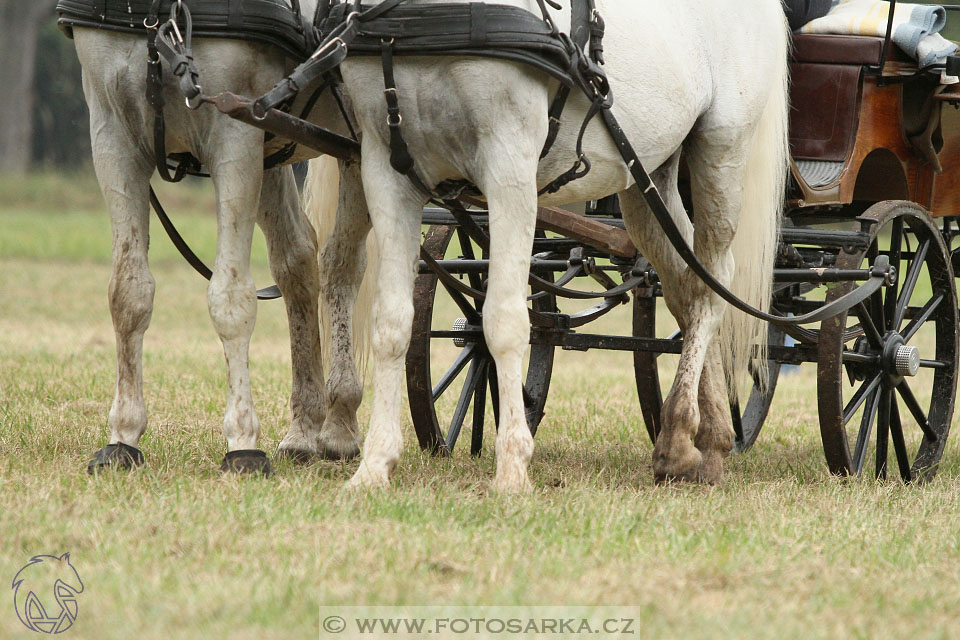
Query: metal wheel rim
842, 458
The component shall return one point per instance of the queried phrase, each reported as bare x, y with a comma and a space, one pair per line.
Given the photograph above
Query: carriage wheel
440, 369
900, 375
747, 418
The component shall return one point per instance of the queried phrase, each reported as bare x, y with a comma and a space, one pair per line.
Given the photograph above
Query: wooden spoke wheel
446, 377
748, 411
893, 386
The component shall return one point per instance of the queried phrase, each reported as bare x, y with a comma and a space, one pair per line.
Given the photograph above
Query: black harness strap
555, 112
156, 100
400, 158
478, 24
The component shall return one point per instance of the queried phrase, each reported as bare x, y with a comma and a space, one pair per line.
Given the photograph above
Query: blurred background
43, 116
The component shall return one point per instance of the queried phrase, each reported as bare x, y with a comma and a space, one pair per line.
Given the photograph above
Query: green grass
174, 550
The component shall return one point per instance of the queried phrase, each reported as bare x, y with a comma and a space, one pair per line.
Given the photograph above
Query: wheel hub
460, 324
899, 359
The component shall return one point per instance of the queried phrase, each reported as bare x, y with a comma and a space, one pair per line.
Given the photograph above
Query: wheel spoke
494, 392
473, 317
877, 312
865, 389
896, 249
737, 417
910, 282
899, 446
924, 314
466, 248
883, 432
866, 426
466, 394
462, 360
916, 410
869, 327
479, 408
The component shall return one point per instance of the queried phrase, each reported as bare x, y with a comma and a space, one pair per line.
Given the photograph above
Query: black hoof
116, 456
297, 456
247, 461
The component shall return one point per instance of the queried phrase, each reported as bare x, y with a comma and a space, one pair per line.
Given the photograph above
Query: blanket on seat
916, 27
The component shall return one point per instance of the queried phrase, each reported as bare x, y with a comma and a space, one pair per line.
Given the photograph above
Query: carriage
872, 198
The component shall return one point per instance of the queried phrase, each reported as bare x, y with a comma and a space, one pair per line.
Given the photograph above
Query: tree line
43, 114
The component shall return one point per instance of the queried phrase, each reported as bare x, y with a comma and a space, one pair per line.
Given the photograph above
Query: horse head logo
45, 594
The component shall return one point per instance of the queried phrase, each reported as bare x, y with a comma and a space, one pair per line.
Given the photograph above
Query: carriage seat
837, 49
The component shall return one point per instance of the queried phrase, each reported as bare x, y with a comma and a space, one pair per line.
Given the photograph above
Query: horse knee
131, 294
393, 325
232, 301
506, 326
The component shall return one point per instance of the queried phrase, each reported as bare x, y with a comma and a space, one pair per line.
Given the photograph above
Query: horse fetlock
128, 420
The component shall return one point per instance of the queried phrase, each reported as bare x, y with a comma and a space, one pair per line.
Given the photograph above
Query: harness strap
400, 158
554, 114
598, 29
478, 24
576, 172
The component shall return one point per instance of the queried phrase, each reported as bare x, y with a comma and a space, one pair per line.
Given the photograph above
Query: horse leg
717, 194
237, 171
292, 246
124, 175
512, 201
343, 262
394, 206
674, 453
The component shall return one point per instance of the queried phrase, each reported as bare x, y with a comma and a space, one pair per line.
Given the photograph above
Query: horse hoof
115, 456
296, 456
693, 476
328, 452
247, 461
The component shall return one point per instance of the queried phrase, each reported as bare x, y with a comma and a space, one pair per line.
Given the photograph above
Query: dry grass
175, 550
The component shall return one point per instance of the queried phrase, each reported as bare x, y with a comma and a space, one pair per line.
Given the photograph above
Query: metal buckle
328, 46
151, 27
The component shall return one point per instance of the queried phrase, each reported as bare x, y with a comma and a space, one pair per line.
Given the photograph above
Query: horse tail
755, 243
321, 197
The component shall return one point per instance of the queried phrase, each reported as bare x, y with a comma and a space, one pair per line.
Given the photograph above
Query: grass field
174, 550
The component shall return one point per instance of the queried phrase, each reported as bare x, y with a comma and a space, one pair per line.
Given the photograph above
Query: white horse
121, 124
705, 78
